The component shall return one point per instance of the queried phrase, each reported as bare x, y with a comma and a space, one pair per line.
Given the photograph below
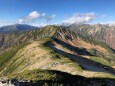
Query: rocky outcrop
13, 82
74, 81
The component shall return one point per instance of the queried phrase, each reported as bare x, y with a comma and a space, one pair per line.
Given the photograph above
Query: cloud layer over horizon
76, 18
79, 18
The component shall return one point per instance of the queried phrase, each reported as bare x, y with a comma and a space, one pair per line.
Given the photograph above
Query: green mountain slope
52, 48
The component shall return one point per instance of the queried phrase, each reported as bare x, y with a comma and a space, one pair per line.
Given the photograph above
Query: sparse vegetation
30, 56
100, 60
6, 57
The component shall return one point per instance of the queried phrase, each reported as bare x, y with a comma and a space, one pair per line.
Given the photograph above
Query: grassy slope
108, 59
12, 67
7, 57
18, 62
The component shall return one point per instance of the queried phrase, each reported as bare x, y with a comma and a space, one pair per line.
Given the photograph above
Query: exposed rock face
13, 82
99, 32
110, 37
9, 82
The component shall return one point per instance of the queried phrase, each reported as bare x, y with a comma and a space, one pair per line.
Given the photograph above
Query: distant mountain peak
16, 27
100, 32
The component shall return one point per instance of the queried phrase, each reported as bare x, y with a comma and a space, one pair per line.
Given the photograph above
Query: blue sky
38, 12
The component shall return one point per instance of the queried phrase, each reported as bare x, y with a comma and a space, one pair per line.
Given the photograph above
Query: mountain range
99, 32
16, 27
78, 55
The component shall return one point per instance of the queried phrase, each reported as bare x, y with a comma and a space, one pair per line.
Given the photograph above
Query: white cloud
48, 18
40, 24
104, 16
43, 14
79, 18
31, 17
110, 23
21, 21
34, 15
6, 22
43, 24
